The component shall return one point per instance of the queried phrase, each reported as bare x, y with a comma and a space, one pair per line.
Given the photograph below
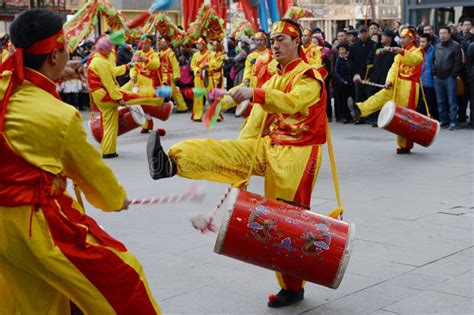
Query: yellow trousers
198, 104
42, 280
406, 95
178, 98
290, 171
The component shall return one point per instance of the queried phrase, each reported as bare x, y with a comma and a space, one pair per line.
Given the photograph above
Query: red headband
47, 45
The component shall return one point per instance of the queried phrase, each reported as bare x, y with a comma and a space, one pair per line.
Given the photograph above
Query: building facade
436, 12
332, 15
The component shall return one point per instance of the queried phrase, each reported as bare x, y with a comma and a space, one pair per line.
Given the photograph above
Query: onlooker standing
427, 79
470, 75
447, 64
374, 28
344, 85
360, 53
428, 29
465, 39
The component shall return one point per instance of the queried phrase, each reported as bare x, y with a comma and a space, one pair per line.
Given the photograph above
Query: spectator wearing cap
378, 64
360, 54
352, 37
447, 63
427, 85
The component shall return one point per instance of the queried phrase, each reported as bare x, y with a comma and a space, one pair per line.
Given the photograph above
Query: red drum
125, 121
285, 238
408, 124
162, 112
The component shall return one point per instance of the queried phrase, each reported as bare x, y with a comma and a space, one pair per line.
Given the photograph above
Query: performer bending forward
289, 154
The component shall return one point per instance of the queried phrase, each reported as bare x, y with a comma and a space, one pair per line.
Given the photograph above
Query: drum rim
240, 108
345, 258
389, 106
133, 114
438, 127
232, 199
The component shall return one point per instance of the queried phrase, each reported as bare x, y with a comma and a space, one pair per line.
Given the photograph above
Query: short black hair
166, 38
468, 19
343, 45
342, 31
445, 27
427, 36
30, 27
374, 23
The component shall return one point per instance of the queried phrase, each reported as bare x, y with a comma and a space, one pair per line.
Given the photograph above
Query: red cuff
402, 52
259, 96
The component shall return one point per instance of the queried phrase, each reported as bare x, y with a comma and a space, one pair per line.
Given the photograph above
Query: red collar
290, 66
41, 81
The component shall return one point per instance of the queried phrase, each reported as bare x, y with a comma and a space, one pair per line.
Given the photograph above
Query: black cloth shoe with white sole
159, 164
354, 109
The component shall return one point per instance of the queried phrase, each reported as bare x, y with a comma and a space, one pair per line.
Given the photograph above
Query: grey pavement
414, 215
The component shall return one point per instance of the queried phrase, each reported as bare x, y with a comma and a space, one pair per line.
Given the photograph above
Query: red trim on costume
259, 95
305, 187
41, 81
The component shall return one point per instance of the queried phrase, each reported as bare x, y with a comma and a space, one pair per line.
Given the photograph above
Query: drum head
138, 114
386, 114
241, 107
229, 207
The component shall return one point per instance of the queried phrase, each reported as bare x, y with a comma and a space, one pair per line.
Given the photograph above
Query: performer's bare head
39, 33
285, 40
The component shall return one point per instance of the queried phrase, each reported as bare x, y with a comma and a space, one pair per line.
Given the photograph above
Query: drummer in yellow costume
199, 63
402, 84
51, 252
170, 73
216, 66
288, 153
311, 51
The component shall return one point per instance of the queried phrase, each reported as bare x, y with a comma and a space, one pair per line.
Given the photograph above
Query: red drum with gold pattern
285, 238
162, 112
408, 124
125, 120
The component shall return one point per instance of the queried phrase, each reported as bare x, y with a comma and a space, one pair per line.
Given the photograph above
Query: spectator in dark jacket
344, 85
379, 62
447, 64
427, 87
360, 54
465, 39
470, 75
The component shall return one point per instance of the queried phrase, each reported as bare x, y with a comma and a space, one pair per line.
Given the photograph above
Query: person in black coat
344, 72
379, 62
360, 54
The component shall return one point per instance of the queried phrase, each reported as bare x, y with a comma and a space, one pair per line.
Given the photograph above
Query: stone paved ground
414, 215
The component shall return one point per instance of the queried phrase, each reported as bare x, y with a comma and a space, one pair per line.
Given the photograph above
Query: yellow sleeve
84, 165
175, 66
216, 61
105, 72
154, 62
248, 67
194, 63
412, 58
392, 72
304, 94
133, 72
119, 70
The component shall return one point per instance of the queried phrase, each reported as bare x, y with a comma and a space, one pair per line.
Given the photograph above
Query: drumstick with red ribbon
204, 222
193, 194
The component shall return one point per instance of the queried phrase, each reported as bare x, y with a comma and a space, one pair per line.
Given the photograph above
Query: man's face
351, 38
466, 26
424, 43
373, 29
146, 46
444, 35
364, 36
306, 39
260, 43
163, 44
314, 40
59, 61
284, 47
428, 30
386, 40
406, 41
342, 37
343, 53
199, 46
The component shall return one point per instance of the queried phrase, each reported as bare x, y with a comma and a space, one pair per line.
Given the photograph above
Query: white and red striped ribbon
193, 194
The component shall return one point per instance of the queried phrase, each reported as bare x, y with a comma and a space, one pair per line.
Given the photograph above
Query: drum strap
339, 211
424, 99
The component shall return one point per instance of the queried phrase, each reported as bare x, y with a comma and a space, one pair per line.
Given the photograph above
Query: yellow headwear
261, 35
408, 32
284, 27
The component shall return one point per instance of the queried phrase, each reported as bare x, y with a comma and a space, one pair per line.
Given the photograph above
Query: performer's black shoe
285, 298
354, 109
403, 151
109, 155
145, 130
160, 165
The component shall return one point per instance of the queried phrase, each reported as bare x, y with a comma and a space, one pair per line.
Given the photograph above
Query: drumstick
194, 194
382, 86
204, 222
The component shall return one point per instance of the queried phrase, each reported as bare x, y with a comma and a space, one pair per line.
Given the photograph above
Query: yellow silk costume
169, 74
288, 157
404, 75
198, 61
42, 279
215, 67
313, 54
